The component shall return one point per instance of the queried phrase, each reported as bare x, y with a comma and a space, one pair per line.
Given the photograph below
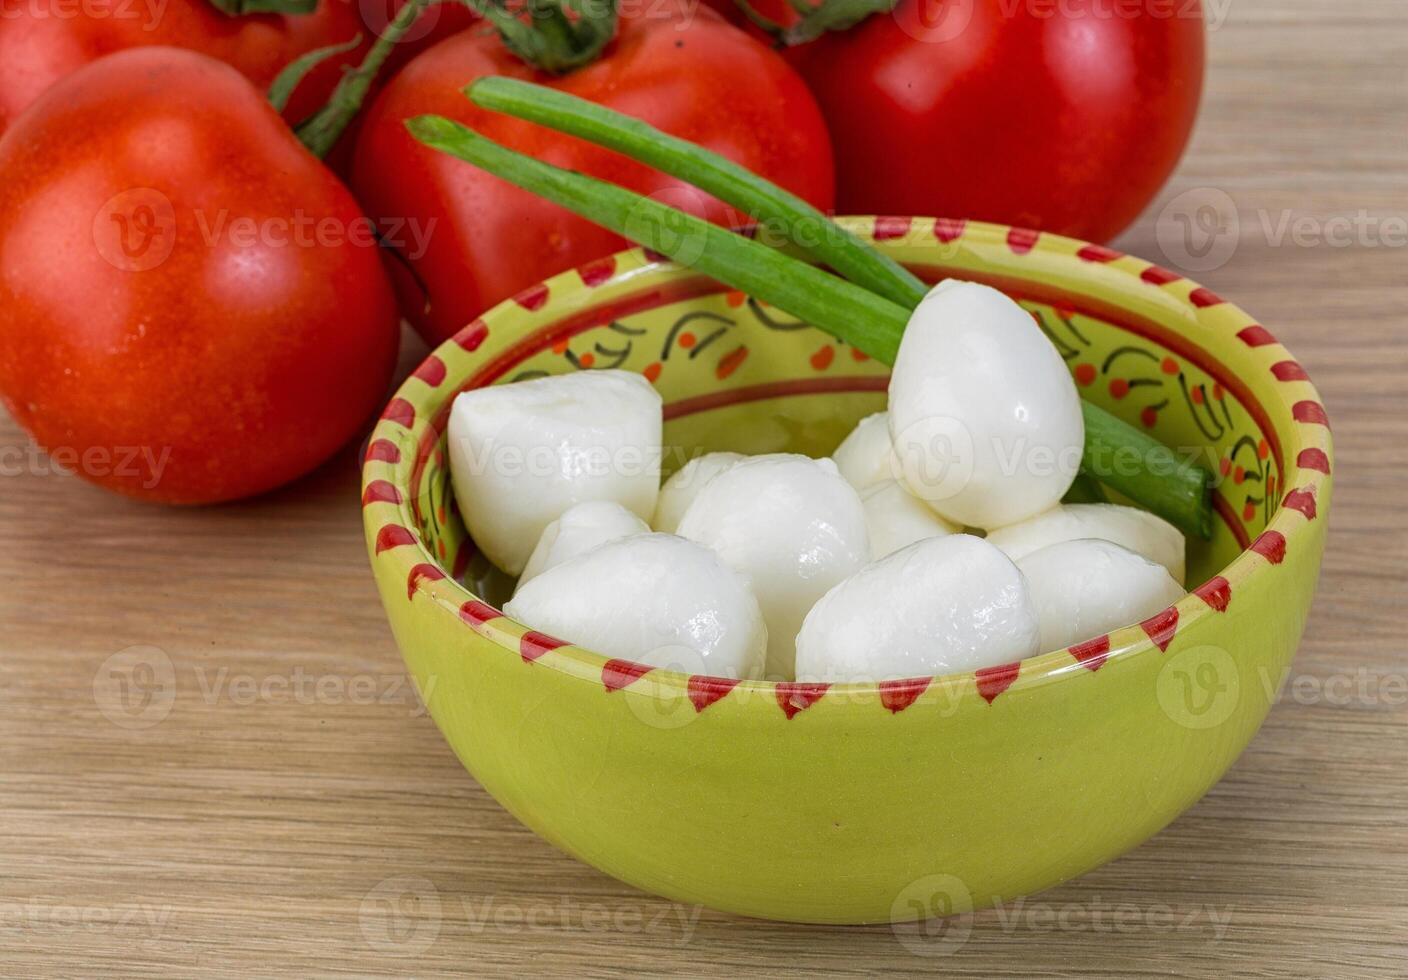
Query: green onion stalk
867, 302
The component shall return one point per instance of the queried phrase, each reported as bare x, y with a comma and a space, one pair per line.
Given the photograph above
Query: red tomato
41, 41
191, 304
1065, 116
697, 78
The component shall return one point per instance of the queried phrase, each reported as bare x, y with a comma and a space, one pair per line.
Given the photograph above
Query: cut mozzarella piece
653, 599
793, 527
521, 454
1083, 589
680, 490
937, 607
866, 456
1139, 531
984, 417
578, 531
896, 518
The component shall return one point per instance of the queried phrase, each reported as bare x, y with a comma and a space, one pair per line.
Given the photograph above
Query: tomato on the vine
688, 73
46, 40
1063, 116
191, 303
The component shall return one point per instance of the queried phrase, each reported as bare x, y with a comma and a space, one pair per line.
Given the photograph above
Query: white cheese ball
578, 531
984, 417
1129, 527
1083, 589
866, 456
680, 490
521, 454
793, 527
653, 599
896, 518
941, 606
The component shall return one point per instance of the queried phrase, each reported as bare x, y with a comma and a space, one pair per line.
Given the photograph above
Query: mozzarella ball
1082, 589
680, 490
985, 419
653, 599
865, 457
522, 453
1129, 527
940, 606
578, 531
896, 518
793, 527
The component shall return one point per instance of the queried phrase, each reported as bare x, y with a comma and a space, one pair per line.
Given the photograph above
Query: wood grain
269, 824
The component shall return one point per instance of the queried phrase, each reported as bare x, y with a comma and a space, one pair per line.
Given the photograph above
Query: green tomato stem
282, 88
814, 19
321, 131
560, 35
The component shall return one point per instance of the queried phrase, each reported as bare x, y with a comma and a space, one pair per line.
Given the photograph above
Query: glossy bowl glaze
865, 803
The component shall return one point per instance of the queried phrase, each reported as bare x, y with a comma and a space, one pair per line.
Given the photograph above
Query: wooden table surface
287, 807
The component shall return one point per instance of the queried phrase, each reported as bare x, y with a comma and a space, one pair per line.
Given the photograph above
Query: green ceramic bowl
864, 803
